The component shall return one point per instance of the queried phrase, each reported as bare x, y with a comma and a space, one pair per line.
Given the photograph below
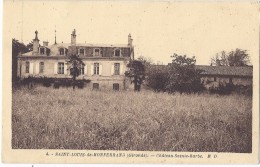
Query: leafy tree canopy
75, 64
183, 76
17, 47
236, 57
136, 72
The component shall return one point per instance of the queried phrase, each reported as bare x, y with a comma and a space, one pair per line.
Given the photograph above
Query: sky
158, 28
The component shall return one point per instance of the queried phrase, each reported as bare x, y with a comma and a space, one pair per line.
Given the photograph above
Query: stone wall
214, 81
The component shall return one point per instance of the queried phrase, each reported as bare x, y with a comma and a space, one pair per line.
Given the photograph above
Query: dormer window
62, 51
42, 51
97, 52
117, 52
81, 51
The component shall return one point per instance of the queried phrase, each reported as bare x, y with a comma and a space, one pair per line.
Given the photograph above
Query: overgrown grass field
46, 118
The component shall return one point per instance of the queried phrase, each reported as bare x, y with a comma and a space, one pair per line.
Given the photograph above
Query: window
117, 52
60, 68
96, 68
116, 86
95, 86
81, 51
61, 51
41, 67
81, 72
117, 68
42, 51
27, 67
96, 52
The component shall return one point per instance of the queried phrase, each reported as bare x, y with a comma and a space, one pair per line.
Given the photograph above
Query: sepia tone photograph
161, 77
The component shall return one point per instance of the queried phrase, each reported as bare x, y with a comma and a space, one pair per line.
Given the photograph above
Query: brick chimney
45, 43
36, 43
73, 37
130, 40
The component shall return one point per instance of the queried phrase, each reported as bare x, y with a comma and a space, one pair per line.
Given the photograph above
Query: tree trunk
135, 86
74, 81
135, 83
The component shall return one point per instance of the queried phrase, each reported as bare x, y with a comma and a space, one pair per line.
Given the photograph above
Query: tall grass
46, 118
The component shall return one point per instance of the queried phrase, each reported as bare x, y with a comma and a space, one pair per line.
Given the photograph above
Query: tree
75, 65
157, 79
220, 59
145, 61
236, 57
17, 47
183, 77
136, 72
30, 46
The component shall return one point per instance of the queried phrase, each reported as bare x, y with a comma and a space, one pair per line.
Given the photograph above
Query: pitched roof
226, 70
156, 68
30, 53
213, 70
55, 47
102, 45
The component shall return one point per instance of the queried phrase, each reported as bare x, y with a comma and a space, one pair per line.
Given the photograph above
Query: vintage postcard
130, 82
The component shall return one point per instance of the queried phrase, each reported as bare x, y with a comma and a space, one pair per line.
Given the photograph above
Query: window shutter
37, 69
55, 68
65, 68
31, 68
121, 69
85, 69
91, 69
112, 69
100, 69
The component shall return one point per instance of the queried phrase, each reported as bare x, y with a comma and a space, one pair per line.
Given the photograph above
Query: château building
105, 65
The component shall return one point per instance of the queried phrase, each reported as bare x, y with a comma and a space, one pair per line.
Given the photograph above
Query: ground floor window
95, 86
116, 86
60, 68
117, 68
82, 69
96, 68
27, 67
41, 67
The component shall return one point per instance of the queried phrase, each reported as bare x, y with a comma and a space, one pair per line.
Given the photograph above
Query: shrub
157, 80
46, 84
80, 84
56, 85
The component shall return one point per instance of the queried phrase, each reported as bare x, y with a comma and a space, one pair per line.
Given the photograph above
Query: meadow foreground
46, 118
